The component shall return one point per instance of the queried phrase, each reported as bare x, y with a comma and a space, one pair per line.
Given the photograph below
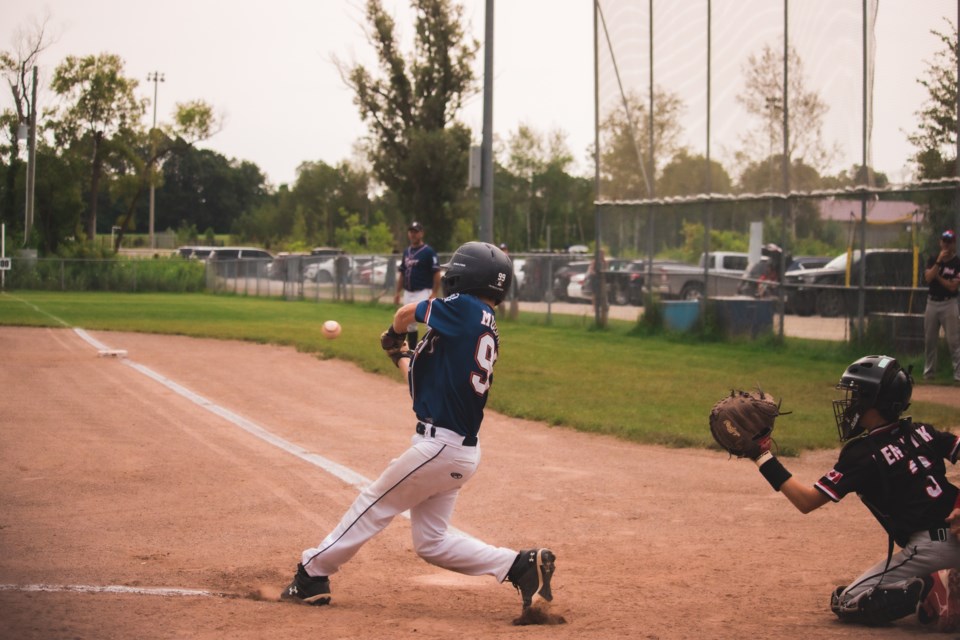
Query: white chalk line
142, 591
335, 469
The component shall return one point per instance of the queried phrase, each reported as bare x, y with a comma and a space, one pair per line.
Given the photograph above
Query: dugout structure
715, 114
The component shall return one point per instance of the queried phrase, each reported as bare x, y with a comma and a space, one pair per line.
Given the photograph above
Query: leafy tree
762, 98
325, 196
356, 237
935, 140
99, 115
534, 190
192, 122
17, 66
623, 135
684, 175
416, 146
205, 189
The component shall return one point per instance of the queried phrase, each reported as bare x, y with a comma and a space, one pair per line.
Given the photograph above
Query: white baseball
331, 329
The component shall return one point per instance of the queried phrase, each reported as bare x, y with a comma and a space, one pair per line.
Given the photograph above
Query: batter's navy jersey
456, 357
899, 473
417, 267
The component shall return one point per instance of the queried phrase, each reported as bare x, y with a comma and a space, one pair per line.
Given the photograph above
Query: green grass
653, 389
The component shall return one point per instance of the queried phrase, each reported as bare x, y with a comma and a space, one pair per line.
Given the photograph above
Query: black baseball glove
394, 345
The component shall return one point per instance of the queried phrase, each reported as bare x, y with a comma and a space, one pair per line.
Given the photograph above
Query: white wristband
764, 457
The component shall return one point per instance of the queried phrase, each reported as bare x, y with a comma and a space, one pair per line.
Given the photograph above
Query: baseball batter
449, 375
896, 467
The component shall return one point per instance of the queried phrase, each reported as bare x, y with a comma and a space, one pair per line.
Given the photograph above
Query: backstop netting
683, 82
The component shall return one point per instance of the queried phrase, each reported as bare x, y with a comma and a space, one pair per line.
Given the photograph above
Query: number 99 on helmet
872, 382
480, 269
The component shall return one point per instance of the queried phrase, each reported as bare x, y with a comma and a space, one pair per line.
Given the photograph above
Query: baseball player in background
449, 376
419, 276
942, 276
896, 467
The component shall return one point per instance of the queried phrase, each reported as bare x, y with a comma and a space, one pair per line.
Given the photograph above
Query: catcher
896, 467
449, 374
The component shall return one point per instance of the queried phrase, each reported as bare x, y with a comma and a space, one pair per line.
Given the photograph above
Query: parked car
612, 268
195, 252
561, 278
286, 266
372, 271
685, 281
242, 262
891, 285
321, 265
518, 273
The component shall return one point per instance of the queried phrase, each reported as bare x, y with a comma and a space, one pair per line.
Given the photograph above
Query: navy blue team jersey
452, 368
899, 473
417, 267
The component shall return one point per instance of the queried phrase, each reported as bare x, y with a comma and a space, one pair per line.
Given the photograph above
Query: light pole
154, 77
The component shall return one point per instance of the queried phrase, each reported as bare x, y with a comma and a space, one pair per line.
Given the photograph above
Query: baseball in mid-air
331, 329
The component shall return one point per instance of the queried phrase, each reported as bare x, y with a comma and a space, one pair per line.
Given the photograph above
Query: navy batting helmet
480, 269
872, 382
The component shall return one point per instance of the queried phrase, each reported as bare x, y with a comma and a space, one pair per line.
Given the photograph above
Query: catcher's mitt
394, 346
742, 423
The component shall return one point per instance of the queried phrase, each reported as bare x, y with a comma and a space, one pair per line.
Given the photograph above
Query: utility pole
486, 154
31, 158
154, 77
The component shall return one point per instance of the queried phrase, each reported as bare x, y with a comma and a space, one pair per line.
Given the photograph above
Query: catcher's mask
872, 382
478, 268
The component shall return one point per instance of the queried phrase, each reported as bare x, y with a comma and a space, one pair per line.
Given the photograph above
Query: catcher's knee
879, 605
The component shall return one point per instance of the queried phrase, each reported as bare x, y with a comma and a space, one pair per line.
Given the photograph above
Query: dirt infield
109, 478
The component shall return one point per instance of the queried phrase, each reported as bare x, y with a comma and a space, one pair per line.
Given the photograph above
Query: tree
325, 195
685, 175
417, 148
17, 65
538, 164
99, 111
935, 140
762, 98
204, 188
623, 135
192, 122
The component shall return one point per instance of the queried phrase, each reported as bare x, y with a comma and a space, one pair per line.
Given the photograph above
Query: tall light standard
155, 77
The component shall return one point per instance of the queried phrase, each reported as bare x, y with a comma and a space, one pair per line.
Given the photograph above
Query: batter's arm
404, 317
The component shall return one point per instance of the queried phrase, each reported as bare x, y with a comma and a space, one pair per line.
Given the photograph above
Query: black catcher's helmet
872, 382
478, 268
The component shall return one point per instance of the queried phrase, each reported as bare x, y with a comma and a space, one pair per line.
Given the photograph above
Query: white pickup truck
685, 281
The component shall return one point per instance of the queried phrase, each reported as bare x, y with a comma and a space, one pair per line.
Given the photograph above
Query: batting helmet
872, 382
480, 269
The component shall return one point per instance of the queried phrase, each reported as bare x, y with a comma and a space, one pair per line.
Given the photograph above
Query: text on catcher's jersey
899, 473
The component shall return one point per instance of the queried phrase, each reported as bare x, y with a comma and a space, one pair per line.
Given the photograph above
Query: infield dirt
109, 478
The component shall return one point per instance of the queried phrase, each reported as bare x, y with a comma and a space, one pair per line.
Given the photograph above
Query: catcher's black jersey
898, 471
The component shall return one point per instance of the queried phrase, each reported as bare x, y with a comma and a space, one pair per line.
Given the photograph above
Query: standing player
896, 467
419, 277
449, 376
943, 277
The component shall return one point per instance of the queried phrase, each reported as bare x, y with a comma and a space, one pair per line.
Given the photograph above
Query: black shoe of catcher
531, 573
306, 589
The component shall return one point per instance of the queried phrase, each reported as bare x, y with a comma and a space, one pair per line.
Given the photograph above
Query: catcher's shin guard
880, 605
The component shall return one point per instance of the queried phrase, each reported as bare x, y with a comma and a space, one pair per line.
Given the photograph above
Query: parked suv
891, 285
241, 261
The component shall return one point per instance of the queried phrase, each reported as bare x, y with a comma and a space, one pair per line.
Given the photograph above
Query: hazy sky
267, 66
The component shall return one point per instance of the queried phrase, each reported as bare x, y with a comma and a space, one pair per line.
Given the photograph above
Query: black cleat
306, 589
531, 573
